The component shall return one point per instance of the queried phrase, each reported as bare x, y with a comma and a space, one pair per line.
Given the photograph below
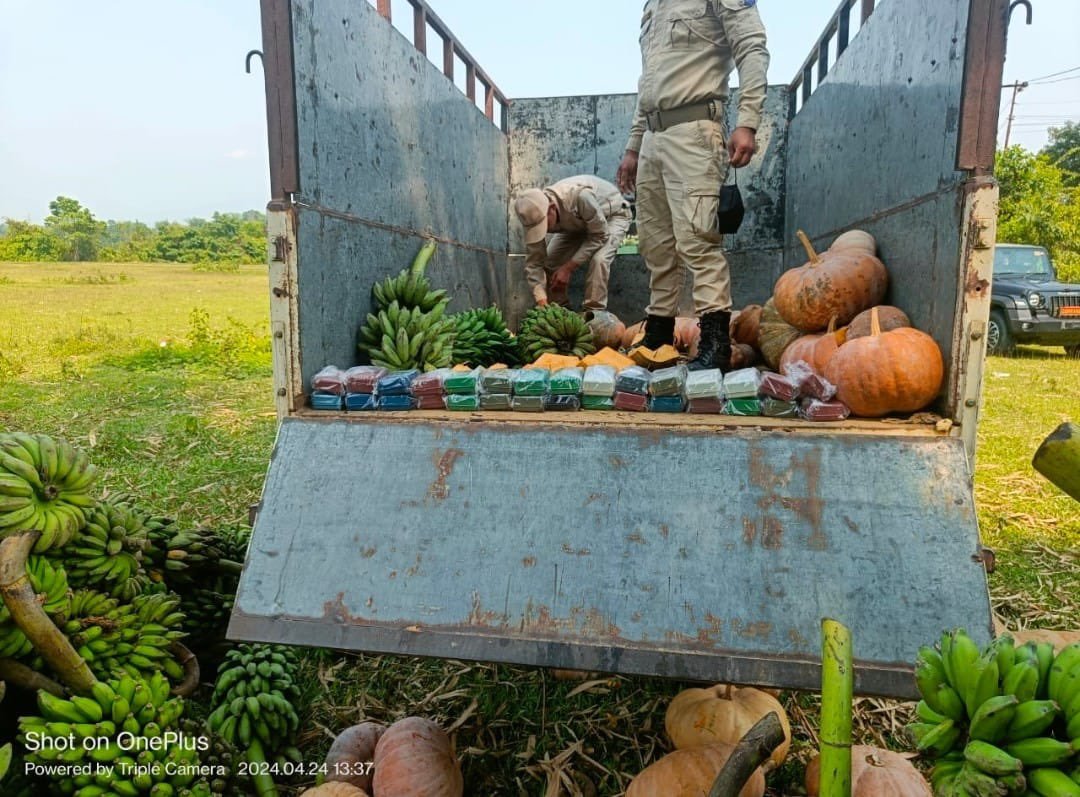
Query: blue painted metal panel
875, 148
390, 151
681, 552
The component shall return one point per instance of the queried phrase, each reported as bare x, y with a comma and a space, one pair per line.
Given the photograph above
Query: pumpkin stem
875, 324
809, 247
727, 691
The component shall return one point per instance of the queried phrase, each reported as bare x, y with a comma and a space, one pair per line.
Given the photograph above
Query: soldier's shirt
689, 49
585, 204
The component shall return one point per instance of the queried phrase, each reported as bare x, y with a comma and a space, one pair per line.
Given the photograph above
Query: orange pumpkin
743, 356
774, 335
354, 746
690, 773
687, 333
607, 329
874, 773
745, 323
855, 239
723, 713
335, 789
896, 371
888, 317
839, 283
414, 758
814, 350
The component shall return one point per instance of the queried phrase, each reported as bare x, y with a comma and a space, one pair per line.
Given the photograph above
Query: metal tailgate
687, 553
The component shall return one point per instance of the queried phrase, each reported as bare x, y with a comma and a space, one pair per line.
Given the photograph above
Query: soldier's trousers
561, 248
680, 171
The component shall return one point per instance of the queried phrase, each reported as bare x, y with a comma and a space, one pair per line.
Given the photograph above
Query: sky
142, 110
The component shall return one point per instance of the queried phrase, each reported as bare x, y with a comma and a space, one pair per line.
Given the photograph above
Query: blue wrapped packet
396, 383
396, 403
667, 404
360, 401
325, 401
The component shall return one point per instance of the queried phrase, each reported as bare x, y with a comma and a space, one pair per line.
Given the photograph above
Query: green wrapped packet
742, 406
531, 382
463, 403
597, 403
566, 381
528, 403
462, 382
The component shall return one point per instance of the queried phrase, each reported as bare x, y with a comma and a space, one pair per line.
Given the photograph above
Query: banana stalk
423, 257
187, 687
26, 678
837, 686
264, 784
29, 615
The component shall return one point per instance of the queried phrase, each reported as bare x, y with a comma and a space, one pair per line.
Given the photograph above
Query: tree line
71, 233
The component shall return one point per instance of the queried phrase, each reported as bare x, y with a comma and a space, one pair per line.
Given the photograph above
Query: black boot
658, 332
714, 348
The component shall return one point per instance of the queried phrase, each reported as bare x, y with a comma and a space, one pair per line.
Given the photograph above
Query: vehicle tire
1073, 351
998, 339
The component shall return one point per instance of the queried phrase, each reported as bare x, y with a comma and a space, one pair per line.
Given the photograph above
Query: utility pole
1017, 87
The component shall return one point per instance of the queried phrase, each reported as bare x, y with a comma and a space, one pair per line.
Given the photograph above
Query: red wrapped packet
363, 378
631, 402
430, 402
816, 410
778, 387
329, 381
713, 406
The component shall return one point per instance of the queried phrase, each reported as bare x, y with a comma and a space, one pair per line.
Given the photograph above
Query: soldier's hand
741, 146
626, 176
541, 302
561, 278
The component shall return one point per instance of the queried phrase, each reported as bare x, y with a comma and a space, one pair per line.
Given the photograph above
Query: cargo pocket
704, 203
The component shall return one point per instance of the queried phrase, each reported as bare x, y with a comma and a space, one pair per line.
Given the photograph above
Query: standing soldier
688, 49
589, 219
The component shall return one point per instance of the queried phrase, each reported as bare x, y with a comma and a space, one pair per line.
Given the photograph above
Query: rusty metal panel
556, 137
278, 76
981, 101
875, 148
390, 152
684, 554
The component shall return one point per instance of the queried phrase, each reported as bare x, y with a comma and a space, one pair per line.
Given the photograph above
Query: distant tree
26, 242
79, 232
1064, 151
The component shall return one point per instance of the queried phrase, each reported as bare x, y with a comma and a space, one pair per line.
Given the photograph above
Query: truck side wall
875, 148
556, 137
390, 151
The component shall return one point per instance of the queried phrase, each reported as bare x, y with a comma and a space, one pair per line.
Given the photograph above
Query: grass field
163, 371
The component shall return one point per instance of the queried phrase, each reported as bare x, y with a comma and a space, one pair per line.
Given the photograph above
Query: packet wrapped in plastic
813, 409
396, 383
810, 384
531, 382
395, 403
778, 387
631, 402
705, 384
599, 380
528, 403
461, 402
497, 380
360, 401
325, 401
329, 381
597, 402
667, 404
566, 381
431, 402
668, 381
634, 379
430, 384
495, 401
561, 403
742, 406
775, 408
743, 383
363, 378
462, 383
712, 405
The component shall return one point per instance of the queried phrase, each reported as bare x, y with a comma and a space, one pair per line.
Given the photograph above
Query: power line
1059, 80
1055, 74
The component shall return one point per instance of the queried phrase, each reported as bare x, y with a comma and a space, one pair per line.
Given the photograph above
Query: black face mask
730, 211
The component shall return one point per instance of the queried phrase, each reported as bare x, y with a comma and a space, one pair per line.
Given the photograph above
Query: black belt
659, 121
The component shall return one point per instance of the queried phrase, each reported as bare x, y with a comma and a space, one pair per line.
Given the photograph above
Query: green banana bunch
1063, 687
44, 486
207, 611
553, 329
254, 698
410, 288
50, 585
408, 339
118, 714
108, 553
481, 338
131, 638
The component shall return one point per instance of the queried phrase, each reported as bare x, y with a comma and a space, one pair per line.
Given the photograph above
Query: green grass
163, 372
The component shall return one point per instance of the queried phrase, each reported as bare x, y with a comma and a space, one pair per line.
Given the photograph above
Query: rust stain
444, 466
749, 530
637, 537
808, 506
712, 632
479, 616
393, 574
567, 548
367, 553
412, 571
760, 629
617, 462
773, 535
636, 617
664, 530
851, 524
529, 561
974, 285
336, 610
797, 639
593, 497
